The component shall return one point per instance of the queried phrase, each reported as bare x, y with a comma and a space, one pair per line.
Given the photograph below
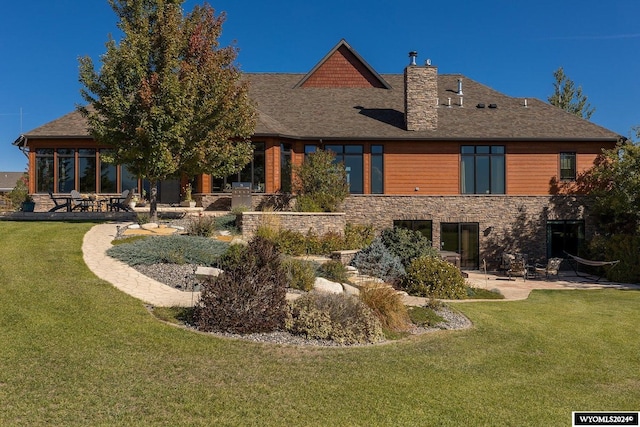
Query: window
108, 183
482, 169
424, 226
87, 169
66, 170
253, 173
377, 170
568, 166
285, 168
44, 170
351, 156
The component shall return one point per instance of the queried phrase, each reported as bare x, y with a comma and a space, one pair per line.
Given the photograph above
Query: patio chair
551, 269
78, 203
57, 202
517, 268
121, 202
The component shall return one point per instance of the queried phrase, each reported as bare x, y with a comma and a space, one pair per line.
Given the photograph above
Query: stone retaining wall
303, 222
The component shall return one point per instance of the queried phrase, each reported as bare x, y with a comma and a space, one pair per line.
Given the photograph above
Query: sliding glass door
464, 239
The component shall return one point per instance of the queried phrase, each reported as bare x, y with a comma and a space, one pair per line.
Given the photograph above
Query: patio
519, 289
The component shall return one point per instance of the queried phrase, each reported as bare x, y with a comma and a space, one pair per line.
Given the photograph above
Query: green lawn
76, 351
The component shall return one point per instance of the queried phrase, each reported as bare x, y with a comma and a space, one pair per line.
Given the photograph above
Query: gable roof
360, 104
342, 67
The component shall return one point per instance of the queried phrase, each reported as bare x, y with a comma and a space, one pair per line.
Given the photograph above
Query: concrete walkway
98, 240
127, 279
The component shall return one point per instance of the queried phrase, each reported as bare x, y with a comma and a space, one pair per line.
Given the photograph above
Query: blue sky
511, 46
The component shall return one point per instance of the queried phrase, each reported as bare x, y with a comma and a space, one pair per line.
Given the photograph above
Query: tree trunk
153, 200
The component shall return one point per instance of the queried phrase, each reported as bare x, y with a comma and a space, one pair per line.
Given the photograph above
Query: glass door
464, 239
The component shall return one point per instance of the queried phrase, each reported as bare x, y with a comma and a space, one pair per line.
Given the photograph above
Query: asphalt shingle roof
377, 113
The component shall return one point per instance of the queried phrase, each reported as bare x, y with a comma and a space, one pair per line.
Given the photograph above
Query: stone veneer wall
506, 223
303, 222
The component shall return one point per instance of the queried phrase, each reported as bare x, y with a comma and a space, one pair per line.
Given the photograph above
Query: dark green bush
300, 273
623, 247
248, 297
334, 271
174, 249
407, 244
295, 243
231, 257
338, 317
377, 261
433, 277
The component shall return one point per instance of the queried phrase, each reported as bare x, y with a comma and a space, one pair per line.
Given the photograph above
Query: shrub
434, 277
334, 271
320, 183
358, 236
386, 303
377, 261
231, 257
174, 249
203, 226
300, 273
623, 247
338, 317
248, 297
407, 244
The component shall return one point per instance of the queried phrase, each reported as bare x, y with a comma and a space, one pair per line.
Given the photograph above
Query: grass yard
76, 351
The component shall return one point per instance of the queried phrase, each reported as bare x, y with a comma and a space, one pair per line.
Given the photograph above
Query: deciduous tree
616, 182
168, 99
569, 97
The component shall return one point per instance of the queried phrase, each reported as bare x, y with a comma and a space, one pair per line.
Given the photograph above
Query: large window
377, 186
108, 176
285, 168
253, 173
351, 156
66, 170
44, 170
482, 169
568, 166
87, 169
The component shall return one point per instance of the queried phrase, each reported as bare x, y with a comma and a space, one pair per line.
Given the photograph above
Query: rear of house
477, 171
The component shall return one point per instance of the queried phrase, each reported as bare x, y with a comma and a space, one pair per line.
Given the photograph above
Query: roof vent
428, 62
460, 87
480, 105
493, 105
413, 55
525, 103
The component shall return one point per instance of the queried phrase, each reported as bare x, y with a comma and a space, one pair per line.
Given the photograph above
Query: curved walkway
127, 279
98, 240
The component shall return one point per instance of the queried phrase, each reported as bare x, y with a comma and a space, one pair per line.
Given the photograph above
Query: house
8, 181
477, 171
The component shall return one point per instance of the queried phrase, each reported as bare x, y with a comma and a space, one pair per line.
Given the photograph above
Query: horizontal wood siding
432, 168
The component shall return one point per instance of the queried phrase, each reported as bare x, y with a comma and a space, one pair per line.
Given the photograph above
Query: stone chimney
420, 96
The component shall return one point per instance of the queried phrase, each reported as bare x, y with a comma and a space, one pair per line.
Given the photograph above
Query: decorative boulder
323, 285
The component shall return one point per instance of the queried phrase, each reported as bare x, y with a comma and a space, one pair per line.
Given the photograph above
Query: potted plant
187, 200
28, 204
